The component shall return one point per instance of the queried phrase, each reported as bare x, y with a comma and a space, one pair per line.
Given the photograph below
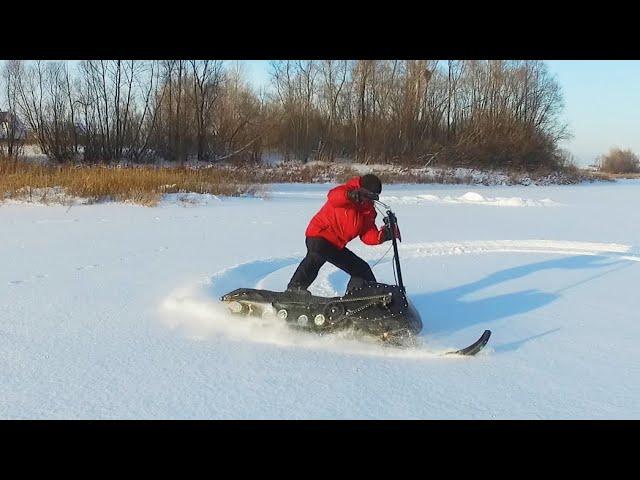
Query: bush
620, 161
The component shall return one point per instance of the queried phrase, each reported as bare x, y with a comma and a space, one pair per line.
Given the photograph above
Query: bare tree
41, 99
207, 79
14, 135
495, 113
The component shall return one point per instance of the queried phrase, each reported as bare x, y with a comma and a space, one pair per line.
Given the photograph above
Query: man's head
371, 183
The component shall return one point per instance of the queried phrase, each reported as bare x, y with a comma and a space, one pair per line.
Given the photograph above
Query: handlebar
382, 204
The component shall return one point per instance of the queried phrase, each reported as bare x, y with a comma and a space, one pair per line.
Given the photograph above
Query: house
8, 121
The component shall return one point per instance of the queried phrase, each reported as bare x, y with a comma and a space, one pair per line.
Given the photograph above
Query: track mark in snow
47, 221
559, 247
87, 267
36, 278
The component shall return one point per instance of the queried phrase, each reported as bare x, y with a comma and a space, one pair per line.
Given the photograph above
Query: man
348, 213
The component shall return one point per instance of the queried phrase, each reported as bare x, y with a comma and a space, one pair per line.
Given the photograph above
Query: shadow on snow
446, 311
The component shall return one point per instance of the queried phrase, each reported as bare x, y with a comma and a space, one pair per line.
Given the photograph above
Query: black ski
475, 347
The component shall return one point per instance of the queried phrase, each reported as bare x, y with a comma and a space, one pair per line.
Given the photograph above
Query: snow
110, 310
471, 197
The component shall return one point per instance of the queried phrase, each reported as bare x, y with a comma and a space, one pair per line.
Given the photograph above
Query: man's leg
308, 269
347, 261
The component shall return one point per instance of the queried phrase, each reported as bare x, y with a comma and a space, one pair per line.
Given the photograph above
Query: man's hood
354, 182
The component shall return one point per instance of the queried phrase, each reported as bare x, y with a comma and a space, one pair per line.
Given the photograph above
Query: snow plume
192, 312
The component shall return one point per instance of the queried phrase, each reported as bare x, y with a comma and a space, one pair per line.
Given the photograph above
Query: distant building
9, 120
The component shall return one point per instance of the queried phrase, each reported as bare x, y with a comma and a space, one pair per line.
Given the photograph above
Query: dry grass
143, 185
146, 184
620, 161
606, 176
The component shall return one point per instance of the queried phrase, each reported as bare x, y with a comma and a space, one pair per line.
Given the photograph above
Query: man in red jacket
348, 213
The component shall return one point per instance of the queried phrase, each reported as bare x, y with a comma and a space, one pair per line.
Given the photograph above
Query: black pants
320, 251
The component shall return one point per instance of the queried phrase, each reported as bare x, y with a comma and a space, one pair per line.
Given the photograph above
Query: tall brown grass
144, 185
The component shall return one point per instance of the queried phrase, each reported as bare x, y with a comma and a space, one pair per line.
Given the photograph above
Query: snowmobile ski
475, 347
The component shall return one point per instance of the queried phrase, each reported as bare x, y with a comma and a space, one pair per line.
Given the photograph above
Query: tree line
494, 113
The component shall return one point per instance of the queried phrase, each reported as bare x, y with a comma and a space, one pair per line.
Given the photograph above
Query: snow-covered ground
110, 310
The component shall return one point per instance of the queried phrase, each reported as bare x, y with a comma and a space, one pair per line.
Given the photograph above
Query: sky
601, 97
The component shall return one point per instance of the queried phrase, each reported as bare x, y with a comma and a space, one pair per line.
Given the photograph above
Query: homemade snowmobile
375, 309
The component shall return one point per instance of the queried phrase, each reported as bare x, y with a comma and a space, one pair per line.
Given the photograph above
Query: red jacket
340, 220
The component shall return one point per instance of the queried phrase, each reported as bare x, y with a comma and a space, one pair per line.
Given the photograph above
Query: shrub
620, 161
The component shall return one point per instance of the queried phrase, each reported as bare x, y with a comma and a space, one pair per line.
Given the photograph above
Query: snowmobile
376, 309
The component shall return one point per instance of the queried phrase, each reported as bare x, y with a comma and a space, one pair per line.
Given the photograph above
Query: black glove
358, 195
386, 235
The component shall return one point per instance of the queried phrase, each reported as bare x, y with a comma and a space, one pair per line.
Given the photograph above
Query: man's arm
375, 236
371, 235
338, 196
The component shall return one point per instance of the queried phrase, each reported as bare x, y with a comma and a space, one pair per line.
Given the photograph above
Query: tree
14, 135
619, 161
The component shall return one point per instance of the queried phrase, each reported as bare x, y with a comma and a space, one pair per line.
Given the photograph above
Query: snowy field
110, 310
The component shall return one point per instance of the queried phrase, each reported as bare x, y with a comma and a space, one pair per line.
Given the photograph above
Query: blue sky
602, 102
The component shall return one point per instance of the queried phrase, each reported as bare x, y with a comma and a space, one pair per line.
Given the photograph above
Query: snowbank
470, 198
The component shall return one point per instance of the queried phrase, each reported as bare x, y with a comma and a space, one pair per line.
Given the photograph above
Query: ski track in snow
122, 259
195, 310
